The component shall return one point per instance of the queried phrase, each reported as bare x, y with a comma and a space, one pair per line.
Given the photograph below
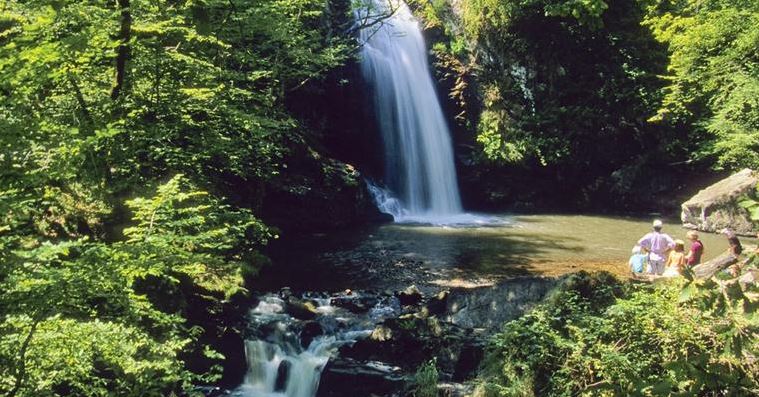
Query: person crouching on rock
638, 260
696, 249
657, 244
736, 249
735, 245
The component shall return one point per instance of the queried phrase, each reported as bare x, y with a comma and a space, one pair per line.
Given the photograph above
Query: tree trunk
710, 268
21, 371
122, 55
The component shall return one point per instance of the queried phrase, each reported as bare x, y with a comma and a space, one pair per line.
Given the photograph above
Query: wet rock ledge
450, 326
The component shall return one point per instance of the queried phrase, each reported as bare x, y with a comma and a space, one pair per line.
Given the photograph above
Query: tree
713, 76
101, 102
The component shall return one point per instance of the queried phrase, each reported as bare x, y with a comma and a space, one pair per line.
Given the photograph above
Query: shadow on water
380, 256
395, 255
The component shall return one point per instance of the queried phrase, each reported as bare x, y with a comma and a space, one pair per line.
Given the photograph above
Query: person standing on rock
657, 244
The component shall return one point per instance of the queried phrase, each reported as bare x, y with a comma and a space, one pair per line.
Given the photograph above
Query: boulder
311, 330
489, 307
300, 309
212, 391
283, 372
716, 207
438, 304
344, 377
409, 341
749, 279
450, 389
355, 303
315, 193
410, 296
469, 358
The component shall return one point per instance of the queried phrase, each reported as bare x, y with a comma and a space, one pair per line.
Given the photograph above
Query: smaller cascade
280, 369
278, 363
386, 202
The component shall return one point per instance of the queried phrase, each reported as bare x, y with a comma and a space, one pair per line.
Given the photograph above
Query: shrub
425, 380
678, 338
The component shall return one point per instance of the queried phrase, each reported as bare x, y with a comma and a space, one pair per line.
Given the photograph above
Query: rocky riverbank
373, 342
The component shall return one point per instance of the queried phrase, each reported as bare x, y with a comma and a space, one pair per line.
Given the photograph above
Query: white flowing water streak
420, 170
277, 364
279, 370
386, 202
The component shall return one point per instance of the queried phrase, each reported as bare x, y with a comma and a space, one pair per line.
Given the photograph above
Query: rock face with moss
716, 207
316, 192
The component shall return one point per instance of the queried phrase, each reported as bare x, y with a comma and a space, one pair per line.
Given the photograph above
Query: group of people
659, 254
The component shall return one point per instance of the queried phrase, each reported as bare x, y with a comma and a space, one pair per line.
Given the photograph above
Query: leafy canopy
713, 75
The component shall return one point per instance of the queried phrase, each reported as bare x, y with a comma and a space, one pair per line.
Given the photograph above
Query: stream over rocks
361, 343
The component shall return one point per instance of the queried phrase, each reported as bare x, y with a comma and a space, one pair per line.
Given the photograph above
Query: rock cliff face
716, 207
489, 307
316, 193
545, 116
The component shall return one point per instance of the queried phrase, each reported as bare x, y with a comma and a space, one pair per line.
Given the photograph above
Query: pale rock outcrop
716, 207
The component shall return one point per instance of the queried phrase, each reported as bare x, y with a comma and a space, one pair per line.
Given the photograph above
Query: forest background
150, 149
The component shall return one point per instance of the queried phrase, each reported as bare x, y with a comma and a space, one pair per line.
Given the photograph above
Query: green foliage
567, 86
598, 338
86, 306
713, 83
751, 204
425, 380
89, 358
440, 15
496, 129
481, 15
599, 94
184, 230
194, 104
99, 102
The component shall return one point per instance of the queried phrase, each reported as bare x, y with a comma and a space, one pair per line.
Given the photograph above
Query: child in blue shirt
638, 260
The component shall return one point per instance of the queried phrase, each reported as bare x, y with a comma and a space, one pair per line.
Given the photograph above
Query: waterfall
419, 165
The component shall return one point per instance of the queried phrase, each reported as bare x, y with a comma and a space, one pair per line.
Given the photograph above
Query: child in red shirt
696, 249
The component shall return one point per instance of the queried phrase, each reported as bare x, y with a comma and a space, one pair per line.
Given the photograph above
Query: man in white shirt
657, 244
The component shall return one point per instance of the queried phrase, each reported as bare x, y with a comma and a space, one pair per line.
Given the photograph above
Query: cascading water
419, 157
279, 365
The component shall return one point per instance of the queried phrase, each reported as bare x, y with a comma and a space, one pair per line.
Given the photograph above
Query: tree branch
21, 374
84, 110
368, 20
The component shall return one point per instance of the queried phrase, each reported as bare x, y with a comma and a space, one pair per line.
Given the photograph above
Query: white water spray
420, 170
277, 369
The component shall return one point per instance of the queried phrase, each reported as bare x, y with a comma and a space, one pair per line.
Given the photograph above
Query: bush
90, 318
425, 380
677, 338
